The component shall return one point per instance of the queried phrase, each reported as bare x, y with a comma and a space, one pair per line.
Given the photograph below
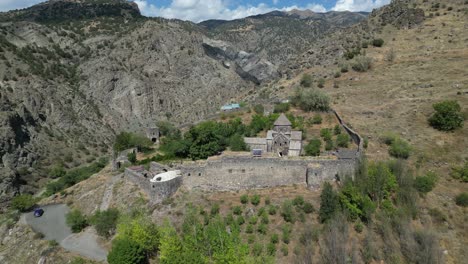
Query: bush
287, 212
272, 210
342, 140
298, 201
23, 202
255, 199
311, 100
249, 229
460, 173
281, 108
321, 83
244, 199
358, 227
126, 140
306, 80
462, 199
326, 134
447, 116
329, 145
126, 251
361, 64
105, 222
237, 210
378, 42
262, 229
313, 148
274, 239
399, 149
317, 119
57, 171
425, 184
328, 203
214, 209
337, 130
271, 249
308, 208
76, 221
240, 220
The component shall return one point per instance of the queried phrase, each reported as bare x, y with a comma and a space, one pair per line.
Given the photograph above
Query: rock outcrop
249, 66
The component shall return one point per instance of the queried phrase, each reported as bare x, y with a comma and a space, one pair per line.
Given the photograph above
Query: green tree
447, 116
57, 171
311, 100
126, 251
313, 148
76, 220
378, 42
328, 203
237, 143
105, 222
23, 202
141, 230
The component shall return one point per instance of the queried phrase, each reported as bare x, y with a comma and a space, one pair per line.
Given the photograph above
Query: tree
76, 220
281, 108
57, 171
105, 222
140, 230
23, 202
311, 100
306, 80
328, 203
126, 251
313, 148
447, 116
237, 143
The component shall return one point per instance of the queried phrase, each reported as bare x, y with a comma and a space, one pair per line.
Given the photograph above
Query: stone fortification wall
354, 136
157, 191
234, 173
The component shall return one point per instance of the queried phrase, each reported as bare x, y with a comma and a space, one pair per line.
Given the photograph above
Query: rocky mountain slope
279, 36
75, 72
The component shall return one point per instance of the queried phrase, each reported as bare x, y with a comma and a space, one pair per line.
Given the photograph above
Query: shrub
311, 100
57, 171
126, 251
23, 202
255, 199
317, 119
462, 199
337, 130
460, 173
240, 220
306, 80
272, 210
447, 116
399, 149
274, 239
244, 199
329, 145
344, 67
313, 148
237, 143
342, 140
287, 211
378, 42
298, 201
237, 210
358, 227
76, 221
308, 208
105, 222
337, 74
425, 184
257, 249
249, 229
284, 250
253, 220
262, 229
267, 201
326, 134
362, 64
271, 249
281, 108
286, 233
437, 215
53, 243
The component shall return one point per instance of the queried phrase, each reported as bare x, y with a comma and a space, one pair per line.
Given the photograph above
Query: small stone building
282, 139
153, 134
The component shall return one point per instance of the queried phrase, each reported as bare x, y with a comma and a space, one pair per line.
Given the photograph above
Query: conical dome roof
282, 121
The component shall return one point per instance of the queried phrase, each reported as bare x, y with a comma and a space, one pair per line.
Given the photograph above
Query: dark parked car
38, 212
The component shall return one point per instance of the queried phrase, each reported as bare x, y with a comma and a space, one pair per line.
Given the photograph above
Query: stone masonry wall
157, 191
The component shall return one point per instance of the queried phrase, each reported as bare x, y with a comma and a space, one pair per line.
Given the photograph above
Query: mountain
278, 36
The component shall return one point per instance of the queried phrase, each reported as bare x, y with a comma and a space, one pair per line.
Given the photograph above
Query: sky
199, 10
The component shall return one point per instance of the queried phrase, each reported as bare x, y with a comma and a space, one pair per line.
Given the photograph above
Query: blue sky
199, 10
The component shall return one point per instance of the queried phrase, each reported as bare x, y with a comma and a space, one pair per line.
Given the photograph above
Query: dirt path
52, 224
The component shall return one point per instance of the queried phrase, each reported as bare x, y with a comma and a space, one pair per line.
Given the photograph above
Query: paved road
52, 224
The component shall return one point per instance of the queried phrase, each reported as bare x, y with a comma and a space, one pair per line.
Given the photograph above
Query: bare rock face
249, 66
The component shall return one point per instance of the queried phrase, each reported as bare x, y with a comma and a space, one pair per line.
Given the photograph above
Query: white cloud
199, 10
6, 5
359, 5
